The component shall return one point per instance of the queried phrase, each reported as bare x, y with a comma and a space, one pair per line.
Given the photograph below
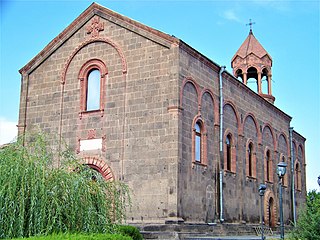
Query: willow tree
37, 198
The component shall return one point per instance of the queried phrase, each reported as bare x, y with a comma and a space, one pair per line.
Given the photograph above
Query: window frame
297, 175
89, 89
229, 164
268, 163
85, 70
198, 144
250, 159
203, 141
229, 151
251, 164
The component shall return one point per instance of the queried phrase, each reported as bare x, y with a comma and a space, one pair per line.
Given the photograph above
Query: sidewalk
251, 237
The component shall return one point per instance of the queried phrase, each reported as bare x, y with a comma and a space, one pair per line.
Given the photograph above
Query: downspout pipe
222, 69
292, 176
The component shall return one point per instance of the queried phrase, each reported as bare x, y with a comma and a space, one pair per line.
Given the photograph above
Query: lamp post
262, 189
319, 180
281, 171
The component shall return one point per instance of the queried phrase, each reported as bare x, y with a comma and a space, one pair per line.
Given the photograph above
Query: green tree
308, 224
39, 198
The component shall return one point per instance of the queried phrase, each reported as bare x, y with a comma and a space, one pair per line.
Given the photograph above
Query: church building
191, 140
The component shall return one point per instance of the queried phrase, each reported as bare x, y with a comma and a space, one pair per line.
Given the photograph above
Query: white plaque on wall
90, 144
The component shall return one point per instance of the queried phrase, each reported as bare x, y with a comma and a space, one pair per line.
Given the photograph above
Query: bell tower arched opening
252, 64
252, 79
239, 75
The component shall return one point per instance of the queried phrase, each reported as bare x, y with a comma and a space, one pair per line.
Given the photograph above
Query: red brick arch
87, 42
267, 125
259, 134
270, 218
100, 166
194, 84
287, 142
236, 113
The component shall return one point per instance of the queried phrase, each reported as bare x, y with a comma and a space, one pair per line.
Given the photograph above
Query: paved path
254, 237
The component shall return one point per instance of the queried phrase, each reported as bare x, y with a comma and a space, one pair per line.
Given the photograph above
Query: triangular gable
96, 9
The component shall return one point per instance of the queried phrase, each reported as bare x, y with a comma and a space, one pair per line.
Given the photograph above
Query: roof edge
295, 132
236, 81
95, 8
195, 53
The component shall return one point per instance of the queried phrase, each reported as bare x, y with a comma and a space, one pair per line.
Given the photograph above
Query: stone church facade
192, 141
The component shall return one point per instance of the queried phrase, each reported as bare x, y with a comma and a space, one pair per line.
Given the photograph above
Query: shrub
131, 231
37, 197
308, 224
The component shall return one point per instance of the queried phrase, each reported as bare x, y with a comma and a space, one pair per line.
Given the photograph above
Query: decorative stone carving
95, 27
91, 134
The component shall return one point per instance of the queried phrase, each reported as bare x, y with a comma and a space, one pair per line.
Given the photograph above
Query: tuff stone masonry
157, 122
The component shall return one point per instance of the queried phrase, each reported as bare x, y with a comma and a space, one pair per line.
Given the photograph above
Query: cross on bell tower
250, 24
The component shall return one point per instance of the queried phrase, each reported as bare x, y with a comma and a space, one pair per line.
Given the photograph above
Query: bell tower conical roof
253, 61
251, 45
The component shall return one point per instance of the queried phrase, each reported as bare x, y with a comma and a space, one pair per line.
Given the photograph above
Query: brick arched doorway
270, 209
100, 166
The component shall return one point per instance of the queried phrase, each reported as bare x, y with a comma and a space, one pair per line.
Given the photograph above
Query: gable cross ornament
95, 27
250, 24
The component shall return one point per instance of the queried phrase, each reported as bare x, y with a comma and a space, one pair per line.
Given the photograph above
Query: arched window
198, 142
228, 146
93, 90
92, 78
268, 172
250, 159
297, 176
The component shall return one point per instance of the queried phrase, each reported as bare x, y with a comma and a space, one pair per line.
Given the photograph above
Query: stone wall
138, 132
249, 120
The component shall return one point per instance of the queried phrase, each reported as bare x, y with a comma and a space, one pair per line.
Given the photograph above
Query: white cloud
8, 131
231, 15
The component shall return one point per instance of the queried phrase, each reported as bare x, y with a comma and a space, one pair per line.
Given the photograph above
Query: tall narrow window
228, 145
198, 142
92, 76
250, 159
297, 175
268, 165
93, 90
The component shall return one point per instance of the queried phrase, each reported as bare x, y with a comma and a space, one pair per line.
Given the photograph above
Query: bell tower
252, 63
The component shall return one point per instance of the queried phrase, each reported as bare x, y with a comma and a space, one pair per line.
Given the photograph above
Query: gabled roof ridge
95, 8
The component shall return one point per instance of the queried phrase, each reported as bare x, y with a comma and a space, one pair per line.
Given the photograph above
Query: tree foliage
308, 224
39, 198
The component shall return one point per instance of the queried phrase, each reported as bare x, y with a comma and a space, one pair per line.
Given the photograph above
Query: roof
96, 9
251, 45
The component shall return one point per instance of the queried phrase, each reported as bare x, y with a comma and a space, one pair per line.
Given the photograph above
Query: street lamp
281, 171
262, 189
319, 180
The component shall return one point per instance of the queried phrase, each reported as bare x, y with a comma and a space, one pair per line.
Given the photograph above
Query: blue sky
288, 30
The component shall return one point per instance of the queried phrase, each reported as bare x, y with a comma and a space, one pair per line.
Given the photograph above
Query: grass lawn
79, 236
